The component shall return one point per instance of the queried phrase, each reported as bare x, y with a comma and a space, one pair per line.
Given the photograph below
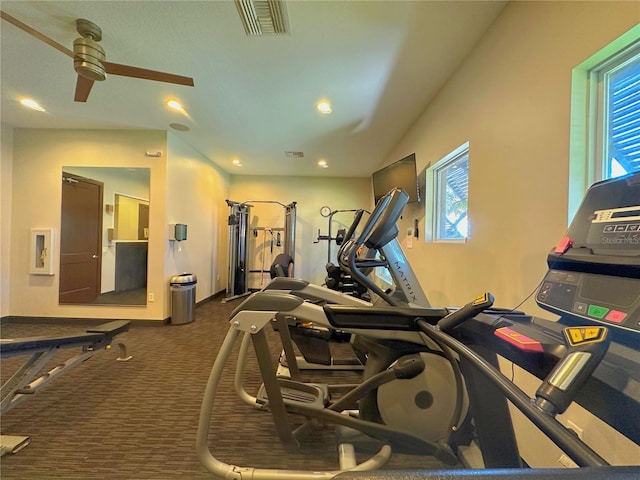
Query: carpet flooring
106, 419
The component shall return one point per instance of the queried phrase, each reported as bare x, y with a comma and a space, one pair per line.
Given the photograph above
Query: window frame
586, 141
434, 208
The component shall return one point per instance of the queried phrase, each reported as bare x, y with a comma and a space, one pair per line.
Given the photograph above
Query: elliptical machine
586, 345
379, 240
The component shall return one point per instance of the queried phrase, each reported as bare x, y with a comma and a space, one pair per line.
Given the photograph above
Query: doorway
80, 239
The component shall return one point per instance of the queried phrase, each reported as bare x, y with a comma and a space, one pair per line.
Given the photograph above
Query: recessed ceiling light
324, 107
323, 163
32, 104
237, 162
174, 104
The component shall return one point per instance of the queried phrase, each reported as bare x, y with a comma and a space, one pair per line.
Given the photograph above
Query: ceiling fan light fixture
87, 59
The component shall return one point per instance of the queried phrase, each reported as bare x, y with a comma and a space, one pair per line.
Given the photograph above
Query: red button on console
519, 340
615, 316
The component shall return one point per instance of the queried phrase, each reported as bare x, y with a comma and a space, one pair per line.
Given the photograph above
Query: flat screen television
400, 174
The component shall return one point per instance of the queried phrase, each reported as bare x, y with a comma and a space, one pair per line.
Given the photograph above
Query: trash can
183, 298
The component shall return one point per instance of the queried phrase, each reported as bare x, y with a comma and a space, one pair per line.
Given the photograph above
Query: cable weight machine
239, 235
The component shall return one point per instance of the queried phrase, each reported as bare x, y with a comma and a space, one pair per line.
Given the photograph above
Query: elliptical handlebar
345, 249
380, 229
352, 228
470, 310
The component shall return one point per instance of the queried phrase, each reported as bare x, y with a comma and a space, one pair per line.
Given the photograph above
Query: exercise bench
30, 378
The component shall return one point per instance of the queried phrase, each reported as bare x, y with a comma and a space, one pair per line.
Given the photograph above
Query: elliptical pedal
297, 392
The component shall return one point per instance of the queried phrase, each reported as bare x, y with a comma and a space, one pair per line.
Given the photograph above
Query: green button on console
597, 311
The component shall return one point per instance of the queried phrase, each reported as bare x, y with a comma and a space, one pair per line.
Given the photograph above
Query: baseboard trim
97, 321
79, 321
211, 297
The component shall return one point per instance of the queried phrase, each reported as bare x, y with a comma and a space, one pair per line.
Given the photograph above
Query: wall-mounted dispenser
178, 232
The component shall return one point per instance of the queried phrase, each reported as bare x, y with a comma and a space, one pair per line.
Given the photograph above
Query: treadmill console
594, 272
602, 299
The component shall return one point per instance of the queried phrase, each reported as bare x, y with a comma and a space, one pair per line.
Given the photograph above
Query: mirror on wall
104, 234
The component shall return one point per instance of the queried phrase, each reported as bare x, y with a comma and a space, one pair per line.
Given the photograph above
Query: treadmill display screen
597, 289
615, 231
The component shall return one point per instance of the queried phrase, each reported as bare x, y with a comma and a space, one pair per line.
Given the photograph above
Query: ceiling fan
89, 58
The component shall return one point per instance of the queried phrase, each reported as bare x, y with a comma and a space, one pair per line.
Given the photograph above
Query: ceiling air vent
263, 17
291, 154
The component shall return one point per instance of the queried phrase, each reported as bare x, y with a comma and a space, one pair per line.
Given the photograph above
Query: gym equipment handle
586, 347
408, 367
579, 452
470, 310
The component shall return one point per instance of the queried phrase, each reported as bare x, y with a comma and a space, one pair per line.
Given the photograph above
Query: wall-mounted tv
400, 174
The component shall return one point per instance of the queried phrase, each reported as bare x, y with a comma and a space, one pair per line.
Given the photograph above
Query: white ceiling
379, 63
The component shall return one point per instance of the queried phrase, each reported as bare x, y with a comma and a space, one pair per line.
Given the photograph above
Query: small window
448, 183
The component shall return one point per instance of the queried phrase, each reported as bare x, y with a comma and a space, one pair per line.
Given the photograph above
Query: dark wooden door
80, 239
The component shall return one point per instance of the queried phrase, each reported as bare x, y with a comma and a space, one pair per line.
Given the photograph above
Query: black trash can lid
183, 279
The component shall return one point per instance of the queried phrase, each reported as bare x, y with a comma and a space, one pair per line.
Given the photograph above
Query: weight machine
239, 231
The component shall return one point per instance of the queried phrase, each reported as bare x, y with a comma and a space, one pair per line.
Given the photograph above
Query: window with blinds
448, 185
619, 116
604, 138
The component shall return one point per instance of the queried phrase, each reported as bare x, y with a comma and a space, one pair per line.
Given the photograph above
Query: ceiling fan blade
136, 72
83, 88
5, 16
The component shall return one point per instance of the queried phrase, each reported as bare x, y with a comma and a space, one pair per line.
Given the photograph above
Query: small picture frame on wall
41, 251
